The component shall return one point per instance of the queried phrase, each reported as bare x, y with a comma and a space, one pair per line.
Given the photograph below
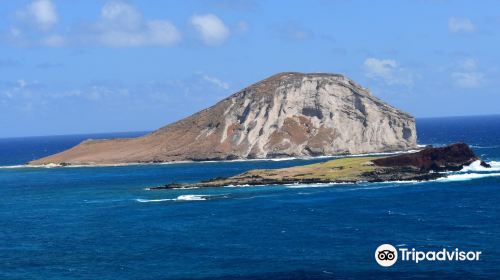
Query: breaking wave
466, 177
186, 197
476, 167
317, 185
484, 147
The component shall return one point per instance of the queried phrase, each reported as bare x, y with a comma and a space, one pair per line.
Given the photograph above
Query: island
289, 114
427, 164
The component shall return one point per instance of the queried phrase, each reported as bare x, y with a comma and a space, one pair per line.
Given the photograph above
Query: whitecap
153, 200
484, 147
241, 186
191, 197
185, 197
49, 165
466, 177
316, 185
477, 167
401, 182
12, 166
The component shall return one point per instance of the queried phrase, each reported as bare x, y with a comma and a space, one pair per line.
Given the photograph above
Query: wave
466, 177
185, 197
12, 166
153, 200
56, 165
50, 165
192, 197
371, 188
476, 167
242, 186
315, 185
485, 147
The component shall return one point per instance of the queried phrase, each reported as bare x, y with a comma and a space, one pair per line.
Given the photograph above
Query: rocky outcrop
423, 165
286, 115
450, 158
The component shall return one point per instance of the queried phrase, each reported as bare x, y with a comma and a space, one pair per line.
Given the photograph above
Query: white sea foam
316, 185
185, 197
55, 165
476, 167
242, 186
401, 182
12, 166
192, 197
372, 188
484, 147
466, 177
153, 200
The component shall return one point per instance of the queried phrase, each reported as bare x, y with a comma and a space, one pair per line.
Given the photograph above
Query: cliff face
289, 114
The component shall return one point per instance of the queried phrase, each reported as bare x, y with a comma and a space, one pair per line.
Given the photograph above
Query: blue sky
102, 66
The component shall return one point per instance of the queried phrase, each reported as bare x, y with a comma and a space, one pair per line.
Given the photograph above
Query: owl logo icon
386, 255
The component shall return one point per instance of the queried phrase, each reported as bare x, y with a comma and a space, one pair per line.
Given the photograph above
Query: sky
81, 66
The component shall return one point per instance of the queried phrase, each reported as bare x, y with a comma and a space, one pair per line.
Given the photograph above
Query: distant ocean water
102, 222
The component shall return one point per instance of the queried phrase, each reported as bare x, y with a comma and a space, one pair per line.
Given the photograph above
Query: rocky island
286, 115
422, 165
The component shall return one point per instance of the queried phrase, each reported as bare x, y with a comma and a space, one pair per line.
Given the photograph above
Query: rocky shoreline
427, 164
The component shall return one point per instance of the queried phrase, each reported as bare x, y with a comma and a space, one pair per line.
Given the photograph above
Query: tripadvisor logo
387, 255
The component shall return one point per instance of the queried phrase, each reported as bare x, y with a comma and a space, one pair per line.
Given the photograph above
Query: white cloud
121, 25
460, 25
120, 13
41, 13
216, 82
212, 29
467, 74
387, 71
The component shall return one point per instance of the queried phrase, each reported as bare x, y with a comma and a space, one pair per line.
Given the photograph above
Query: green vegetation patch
343, 169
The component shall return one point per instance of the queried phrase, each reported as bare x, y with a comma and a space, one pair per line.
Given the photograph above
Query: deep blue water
101, 223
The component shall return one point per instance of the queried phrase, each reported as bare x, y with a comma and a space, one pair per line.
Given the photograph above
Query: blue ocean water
102, 222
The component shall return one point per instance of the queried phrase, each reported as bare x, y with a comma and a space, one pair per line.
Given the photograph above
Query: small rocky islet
427, 164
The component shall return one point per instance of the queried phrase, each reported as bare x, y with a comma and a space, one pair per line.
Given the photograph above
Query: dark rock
484, 164
450, 158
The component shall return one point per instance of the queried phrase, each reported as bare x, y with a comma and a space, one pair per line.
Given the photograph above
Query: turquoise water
103, 223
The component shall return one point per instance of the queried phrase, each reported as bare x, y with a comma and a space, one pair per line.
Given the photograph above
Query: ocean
103, 222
